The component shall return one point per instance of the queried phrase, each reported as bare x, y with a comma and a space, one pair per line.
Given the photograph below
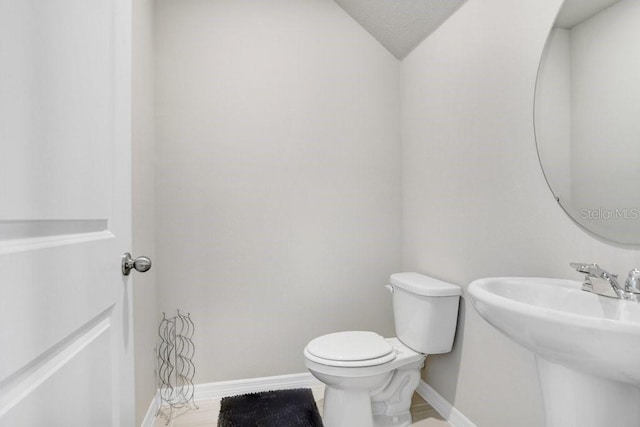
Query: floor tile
207, 413
417, 400
425, 415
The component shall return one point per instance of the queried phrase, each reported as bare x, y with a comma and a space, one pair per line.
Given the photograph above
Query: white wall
143, 190
475, 202
278, 183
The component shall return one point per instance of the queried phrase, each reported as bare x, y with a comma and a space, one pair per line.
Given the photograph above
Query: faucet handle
583, 267
593, 270
632, 284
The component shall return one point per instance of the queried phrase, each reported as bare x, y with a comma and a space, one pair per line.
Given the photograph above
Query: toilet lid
352, 346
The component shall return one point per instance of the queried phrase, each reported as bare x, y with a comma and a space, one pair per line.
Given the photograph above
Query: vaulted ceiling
400, 25
574, 12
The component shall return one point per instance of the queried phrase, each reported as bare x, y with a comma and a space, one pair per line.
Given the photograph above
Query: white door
65, 307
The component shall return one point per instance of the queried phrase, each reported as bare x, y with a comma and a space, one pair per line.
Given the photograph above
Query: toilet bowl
369, 380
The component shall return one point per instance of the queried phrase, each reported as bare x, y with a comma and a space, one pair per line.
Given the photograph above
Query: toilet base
391, 405
403, 420
346, 408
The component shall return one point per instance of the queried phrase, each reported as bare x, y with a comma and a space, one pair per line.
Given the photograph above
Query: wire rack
175, 366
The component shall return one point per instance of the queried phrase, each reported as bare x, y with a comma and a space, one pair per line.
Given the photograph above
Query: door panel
65, 308
88, 403
57, 108
50, 299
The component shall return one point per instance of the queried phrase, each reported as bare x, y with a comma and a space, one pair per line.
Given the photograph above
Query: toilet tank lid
424, 285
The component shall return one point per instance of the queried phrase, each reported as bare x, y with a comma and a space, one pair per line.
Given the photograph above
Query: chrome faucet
632, 284
601, 282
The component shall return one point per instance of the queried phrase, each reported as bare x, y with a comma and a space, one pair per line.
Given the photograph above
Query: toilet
369, 380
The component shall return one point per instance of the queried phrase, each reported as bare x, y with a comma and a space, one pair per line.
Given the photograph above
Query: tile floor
207, 414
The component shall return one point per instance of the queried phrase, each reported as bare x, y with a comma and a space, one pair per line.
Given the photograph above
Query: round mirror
587, 116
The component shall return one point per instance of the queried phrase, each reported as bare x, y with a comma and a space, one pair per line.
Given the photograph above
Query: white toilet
369, 380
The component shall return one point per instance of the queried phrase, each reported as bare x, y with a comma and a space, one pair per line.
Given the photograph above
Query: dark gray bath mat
280, 408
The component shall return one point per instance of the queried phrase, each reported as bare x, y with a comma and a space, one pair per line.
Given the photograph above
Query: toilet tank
425, 311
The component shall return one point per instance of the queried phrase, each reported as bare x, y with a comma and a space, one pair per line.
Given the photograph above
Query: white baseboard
253, 385
222, 389
444, 408
150, 416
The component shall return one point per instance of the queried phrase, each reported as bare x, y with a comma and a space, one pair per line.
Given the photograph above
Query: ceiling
574, 12
400, 25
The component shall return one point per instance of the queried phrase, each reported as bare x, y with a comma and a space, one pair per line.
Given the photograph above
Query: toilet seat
350, 349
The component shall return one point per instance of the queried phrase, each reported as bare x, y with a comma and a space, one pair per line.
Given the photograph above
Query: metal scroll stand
175, 366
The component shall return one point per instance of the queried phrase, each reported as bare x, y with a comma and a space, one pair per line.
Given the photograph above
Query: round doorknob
141, 264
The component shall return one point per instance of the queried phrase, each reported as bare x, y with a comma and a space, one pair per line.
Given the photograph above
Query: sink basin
587, 346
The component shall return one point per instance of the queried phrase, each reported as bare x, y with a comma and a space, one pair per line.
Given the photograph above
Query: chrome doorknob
141, 264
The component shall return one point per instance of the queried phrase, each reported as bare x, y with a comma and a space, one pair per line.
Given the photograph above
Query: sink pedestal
597, 337
576, 399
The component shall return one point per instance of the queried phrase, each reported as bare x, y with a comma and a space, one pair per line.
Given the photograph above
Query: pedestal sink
587, 346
